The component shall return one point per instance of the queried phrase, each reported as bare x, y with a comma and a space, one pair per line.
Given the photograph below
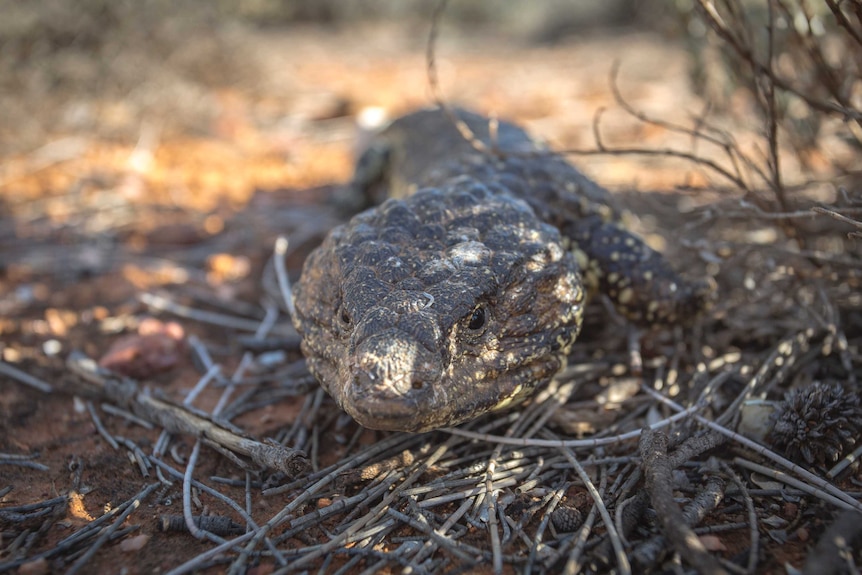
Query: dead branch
180, 419
659, 484
746, 52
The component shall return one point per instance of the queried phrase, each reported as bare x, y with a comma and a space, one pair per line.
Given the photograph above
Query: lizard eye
345, 322
477, 319
475, 323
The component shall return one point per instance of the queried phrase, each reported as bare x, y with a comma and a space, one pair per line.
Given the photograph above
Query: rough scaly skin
464, 291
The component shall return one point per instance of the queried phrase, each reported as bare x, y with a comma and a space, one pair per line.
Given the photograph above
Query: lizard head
432, 310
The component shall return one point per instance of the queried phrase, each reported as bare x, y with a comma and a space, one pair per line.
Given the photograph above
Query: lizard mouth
387, 415
383, 404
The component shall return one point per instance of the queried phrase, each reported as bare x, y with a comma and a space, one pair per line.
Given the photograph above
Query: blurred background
128, 72
262, 93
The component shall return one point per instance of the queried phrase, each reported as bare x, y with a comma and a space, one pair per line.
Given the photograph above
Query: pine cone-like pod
817, 424
567, 519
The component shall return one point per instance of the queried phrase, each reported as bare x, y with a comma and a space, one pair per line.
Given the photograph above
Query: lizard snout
394, 380
393, 366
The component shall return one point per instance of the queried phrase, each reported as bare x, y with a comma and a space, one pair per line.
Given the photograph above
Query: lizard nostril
417, 384
364, 379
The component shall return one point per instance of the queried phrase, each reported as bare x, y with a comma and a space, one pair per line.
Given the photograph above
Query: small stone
132, 544
37, 567
712, 543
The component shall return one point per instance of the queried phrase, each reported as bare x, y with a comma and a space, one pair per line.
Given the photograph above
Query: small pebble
37, 567
135, 543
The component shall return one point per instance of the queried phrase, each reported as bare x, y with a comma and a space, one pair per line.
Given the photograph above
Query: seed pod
818, 423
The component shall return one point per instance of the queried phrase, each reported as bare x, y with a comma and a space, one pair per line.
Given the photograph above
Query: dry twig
177, 419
